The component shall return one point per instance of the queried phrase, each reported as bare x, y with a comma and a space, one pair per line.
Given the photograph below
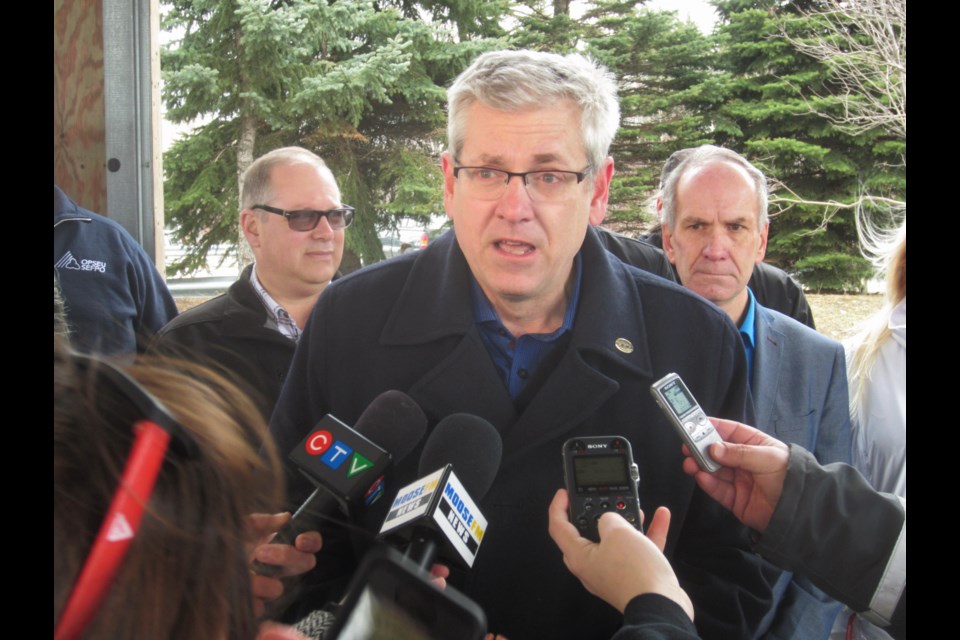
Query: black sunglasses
308, 219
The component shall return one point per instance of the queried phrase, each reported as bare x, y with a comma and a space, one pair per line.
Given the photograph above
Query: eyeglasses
550, 185
308, 219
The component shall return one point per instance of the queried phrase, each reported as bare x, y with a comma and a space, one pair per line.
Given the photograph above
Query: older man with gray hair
520, 316
715, 226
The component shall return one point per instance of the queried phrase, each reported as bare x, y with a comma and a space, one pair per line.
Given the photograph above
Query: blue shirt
517, 358
748, 331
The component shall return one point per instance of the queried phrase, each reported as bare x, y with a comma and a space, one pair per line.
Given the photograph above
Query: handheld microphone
347, 465
437, 512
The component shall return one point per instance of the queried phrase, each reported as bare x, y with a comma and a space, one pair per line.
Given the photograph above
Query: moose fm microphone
436, 512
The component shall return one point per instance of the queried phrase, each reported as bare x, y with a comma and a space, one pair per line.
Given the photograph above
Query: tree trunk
245, 145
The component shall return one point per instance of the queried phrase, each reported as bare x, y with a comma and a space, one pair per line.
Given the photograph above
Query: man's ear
601, 192
667, 235
250, 225
762, 249
446, 164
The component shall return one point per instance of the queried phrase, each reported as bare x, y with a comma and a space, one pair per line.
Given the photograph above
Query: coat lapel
608, 341
767, 360
467, 382
435, 307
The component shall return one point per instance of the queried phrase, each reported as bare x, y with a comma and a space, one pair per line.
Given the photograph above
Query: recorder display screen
601, 471
678, 397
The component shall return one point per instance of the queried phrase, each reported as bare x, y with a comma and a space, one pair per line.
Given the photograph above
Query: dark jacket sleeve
637, 253
154, 302
833, 527
775, 289
652, 616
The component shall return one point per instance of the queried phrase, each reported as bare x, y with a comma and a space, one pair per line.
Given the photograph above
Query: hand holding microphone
291, 560
348, 465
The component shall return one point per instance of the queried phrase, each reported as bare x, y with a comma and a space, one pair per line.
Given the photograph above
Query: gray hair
514, 80
696, 158
673, 162
256, 179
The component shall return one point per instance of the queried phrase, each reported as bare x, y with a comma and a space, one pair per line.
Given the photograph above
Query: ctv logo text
335, 452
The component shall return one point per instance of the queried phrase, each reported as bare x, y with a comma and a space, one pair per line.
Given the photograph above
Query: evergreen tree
657, 60
763, 110
361, 83
662, 64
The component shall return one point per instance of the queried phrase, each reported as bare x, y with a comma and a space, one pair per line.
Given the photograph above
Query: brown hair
186, 573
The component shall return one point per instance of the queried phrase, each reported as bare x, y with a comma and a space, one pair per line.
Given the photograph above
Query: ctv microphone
436, 512
347, 465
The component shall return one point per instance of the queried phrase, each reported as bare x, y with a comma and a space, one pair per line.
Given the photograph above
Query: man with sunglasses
520, 316
294, 221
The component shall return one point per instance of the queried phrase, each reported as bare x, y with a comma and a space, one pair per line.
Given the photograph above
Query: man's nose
515, 204
323, 228
717, 247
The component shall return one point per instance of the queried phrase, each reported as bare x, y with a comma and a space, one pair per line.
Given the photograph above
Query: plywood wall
78, 110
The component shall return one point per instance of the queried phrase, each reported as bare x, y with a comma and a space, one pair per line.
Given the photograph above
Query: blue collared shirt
748, 331
517, 358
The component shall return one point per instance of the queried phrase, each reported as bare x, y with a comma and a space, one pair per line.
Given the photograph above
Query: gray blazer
799, 387
799, 391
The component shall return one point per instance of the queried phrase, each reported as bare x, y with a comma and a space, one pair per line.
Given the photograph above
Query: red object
118, 529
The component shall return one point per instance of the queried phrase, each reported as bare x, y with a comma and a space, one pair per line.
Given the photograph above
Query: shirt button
522, 373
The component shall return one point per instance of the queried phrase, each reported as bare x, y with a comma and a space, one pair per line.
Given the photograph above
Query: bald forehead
300, 176
721, 178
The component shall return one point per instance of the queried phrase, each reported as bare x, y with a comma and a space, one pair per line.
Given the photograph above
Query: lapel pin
624, 345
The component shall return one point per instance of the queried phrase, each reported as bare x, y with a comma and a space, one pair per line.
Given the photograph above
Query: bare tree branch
864, 43
781, 204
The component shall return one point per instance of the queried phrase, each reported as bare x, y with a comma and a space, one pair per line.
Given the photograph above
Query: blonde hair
887, 249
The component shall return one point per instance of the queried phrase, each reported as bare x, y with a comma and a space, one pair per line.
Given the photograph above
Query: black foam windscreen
394, 422
471, 444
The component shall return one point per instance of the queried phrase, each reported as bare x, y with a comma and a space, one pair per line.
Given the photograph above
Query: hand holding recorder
754, 467
625, 563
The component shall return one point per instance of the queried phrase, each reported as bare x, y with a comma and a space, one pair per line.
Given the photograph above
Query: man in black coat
521, 317
294, 221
